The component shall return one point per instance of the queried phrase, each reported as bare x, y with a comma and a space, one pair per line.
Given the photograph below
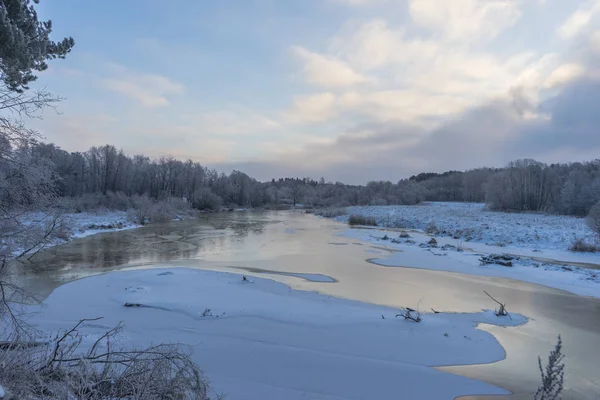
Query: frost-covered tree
26, 181
593, 218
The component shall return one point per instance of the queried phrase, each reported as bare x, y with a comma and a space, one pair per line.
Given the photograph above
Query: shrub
581, 246
116, 201
68, 368
378, 202
553, 375
141, 211
205, 199
331, 212
593, 218
432, 229
361, 220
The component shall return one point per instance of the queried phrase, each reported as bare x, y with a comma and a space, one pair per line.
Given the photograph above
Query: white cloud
426, 77
327, 71
579, 20
150, 90
563, 74
233, 122
461, 19
595, 41
314, 108
373, 45
359, 2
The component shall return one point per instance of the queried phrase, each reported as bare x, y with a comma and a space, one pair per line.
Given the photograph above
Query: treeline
523, 185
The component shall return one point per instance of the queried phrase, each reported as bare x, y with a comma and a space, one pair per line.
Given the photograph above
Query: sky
349, 90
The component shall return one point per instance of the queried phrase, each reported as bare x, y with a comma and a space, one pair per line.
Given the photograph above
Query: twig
65, 336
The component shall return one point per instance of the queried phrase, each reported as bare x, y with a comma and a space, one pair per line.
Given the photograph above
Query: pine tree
25, 45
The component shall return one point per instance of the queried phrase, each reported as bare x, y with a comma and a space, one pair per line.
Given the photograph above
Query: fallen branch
501, 312
407, 314
58, 343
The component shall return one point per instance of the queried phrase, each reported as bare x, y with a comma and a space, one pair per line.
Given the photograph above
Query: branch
63, 338
502, 311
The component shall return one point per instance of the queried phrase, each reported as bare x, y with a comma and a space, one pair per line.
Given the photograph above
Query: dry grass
67, 367
331, 212
361, 220
581, 246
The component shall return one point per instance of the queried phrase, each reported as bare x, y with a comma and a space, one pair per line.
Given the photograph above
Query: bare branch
501, 312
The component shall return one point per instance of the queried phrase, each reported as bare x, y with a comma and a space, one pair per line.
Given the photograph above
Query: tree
27, 181
25, 44
297, 191
593, 218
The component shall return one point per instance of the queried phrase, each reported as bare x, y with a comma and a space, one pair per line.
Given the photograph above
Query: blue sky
351, 90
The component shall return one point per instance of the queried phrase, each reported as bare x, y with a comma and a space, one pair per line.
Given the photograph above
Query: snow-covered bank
86, 223
64, 227
457, 256
471, 222
258, 338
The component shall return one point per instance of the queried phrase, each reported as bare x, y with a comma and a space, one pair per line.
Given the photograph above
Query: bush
331, 212
141, 209
68, 368
593, 218
96, 201
361, 220
145, 210
580, 246
205, 199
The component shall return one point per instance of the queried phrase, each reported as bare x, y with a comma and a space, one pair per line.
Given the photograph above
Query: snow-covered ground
75, 225
86, 224
539, 242
457, 256
471, 222
259, 339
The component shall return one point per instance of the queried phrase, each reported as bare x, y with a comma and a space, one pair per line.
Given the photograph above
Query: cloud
422, 79
327, 71
462, 19
579, 20
313, 108
490, 134
359, 2
374, 44
563, 74
233, 122
149, 90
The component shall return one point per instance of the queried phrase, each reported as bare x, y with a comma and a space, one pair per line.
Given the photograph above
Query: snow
471, 222
414, 253
2, 392
86, 224
265, 340
539, 241
79, 225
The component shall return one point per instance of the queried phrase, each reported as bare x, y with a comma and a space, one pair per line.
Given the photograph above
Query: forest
100, 175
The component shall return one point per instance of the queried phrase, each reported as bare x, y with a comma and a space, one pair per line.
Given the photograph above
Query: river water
280, 244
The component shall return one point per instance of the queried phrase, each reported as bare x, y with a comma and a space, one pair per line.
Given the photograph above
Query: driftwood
500, 259
410, 314
501, 312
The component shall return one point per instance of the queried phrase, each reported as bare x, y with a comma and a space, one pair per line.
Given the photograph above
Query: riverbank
257, 338
472, 223
292, 248
465, 238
